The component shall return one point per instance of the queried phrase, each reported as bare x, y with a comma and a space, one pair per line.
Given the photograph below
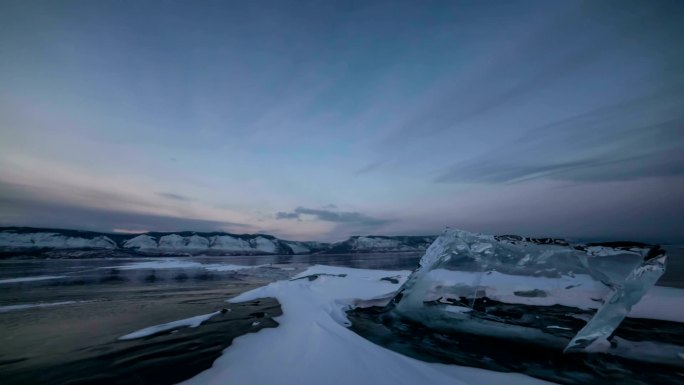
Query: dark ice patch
394, 280
163, 359
530, 293
314, 277
530, 357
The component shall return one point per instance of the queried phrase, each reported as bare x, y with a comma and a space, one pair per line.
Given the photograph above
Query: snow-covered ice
9, 308
312, 344
469, 268
662, 303
191, 322
31, 279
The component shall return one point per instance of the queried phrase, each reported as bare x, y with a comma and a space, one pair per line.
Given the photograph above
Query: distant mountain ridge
18, 240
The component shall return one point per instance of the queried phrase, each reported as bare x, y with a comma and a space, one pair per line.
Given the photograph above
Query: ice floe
483, 271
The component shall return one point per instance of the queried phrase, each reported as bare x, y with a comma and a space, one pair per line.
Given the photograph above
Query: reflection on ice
180, 264
465, 281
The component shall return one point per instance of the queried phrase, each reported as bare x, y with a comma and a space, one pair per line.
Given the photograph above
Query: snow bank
312, 345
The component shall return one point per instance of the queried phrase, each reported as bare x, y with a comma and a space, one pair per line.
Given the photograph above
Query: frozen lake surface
63, 319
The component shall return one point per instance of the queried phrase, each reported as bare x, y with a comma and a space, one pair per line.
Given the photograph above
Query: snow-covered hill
9, 239
225, 243
17, 239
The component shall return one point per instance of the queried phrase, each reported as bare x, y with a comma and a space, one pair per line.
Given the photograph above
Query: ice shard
529, 288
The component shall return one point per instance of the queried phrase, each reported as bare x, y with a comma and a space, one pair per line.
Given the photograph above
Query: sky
316, 120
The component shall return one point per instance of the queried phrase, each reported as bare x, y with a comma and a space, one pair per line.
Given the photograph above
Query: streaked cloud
173, 196
22, 212
284, 215
130, 231
370, 167
347, 217
625, 143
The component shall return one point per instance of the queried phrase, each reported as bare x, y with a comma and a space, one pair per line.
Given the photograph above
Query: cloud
626, 141
551, 53
23, 205
175, 196
370, 167
284, 215
339, 217
21, 212
129, 231
562, 99
591, 169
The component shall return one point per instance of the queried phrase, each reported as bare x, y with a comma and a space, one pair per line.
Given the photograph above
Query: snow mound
312, 344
